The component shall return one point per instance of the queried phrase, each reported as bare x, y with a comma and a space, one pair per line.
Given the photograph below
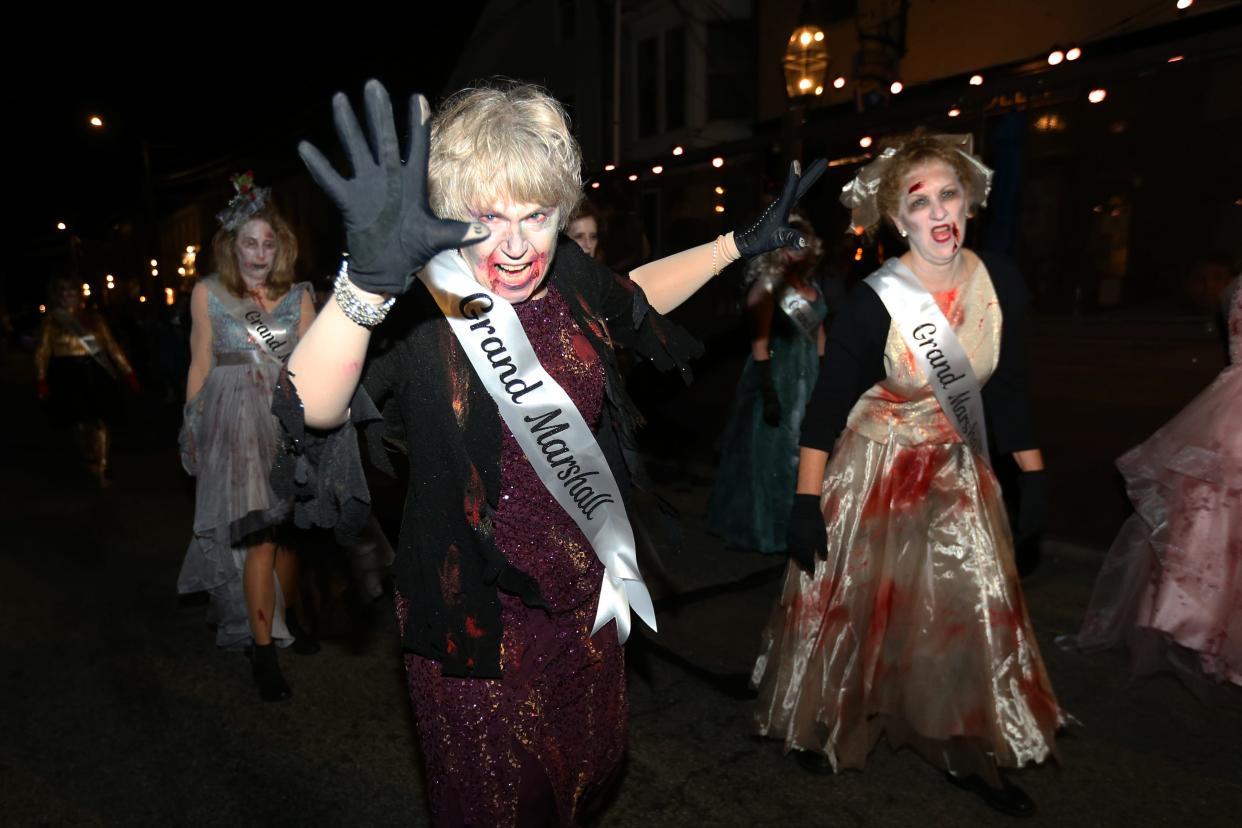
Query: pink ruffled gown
1171, 585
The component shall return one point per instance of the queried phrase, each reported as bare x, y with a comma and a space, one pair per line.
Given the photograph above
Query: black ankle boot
1008, 799
272, 685
304, 643
812, 761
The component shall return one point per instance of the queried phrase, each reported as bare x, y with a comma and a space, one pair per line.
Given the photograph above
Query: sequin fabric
1170, 587
914, 626
534, 744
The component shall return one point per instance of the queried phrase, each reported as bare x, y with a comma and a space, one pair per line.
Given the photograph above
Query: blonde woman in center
521, 711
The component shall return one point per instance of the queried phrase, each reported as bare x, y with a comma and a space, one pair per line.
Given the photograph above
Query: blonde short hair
510, 141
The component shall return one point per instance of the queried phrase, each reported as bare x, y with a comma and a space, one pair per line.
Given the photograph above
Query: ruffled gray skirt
228, 441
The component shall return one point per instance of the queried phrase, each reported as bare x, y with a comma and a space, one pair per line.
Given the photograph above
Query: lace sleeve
322, 470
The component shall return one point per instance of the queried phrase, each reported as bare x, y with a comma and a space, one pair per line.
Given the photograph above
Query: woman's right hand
389, 225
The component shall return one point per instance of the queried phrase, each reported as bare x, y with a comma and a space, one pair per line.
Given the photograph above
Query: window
730, 71
648, 87
674, 79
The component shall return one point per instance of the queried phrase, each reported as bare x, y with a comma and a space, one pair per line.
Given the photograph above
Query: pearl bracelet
359, 311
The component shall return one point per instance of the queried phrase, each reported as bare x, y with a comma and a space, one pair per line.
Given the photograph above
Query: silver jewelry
903, 232
359, 311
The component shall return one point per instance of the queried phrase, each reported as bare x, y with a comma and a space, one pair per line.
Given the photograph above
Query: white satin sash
799, 310
86, 339
550, 431
273, 339
932, 340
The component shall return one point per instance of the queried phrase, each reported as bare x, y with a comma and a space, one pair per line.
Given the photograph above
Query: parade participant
515, 564
1170, 588
754, 488
77, 366
584, 228
246, 319
902, 615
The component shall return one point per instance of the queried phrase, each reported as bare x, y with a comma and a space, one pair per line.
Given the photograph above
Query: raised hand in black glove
807, 536
389, 225
1034, 493
772, 230
771, 400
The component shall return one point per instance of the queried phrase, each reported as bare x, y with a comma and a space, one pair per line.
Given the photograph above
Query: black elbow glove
807, 536
1034, 495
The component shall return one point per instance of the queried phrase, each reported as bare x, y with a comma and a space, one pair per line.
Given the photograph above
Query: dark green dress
754, 489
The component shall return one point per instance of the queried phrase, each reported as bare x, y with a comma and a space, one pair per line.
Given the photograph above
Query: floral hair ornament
860, 194
247, 200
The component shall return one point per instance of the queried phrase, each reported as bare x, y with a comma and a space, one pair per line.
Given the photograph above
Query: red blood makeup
507, 277
513, 262
933, 212
256, 250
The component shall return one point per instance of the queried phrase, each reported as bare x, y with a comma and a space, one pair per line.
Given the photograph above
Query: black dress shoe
1008, 799
812, 761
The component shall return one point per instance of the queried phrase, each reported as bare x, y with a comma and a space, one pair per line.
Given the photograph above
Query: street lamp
806, 66
806, 61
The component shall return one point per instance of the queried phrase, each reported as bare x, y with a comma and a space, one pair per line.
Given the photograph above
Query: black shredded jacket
420, 392
854, 361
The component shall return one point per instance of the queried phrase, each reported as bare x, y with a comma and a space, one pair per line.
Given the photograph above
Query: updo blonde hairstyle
509, 141
912, 153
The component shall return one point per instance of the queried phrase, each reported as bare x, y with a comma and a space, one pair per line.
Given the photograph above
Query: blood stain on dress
450, 573
582, 347
913, 472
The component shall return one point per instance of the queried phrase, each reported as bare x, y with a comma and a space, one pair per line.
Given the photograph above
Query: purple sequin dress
529, 748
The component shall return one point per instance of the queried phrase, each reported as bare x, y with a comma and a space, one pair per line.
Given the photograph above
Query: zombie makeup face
513, 261
933, 212
68, 296
585, 231
256, 251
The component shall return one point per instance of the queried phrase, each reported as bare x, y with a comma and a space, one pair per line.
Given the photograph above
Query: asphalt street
117, 709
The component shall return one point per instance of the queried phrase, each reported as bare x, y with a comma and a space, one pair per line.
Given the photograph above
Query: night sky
201, 87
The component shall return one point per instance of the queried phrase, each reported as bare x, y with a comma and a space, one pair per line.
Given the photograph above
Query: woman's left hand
772, 230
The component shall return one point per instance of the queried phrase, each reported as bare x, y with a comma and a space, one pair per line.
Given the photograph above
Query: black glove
771, 400
1034, 491
807, 536
389, 225
772, 230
